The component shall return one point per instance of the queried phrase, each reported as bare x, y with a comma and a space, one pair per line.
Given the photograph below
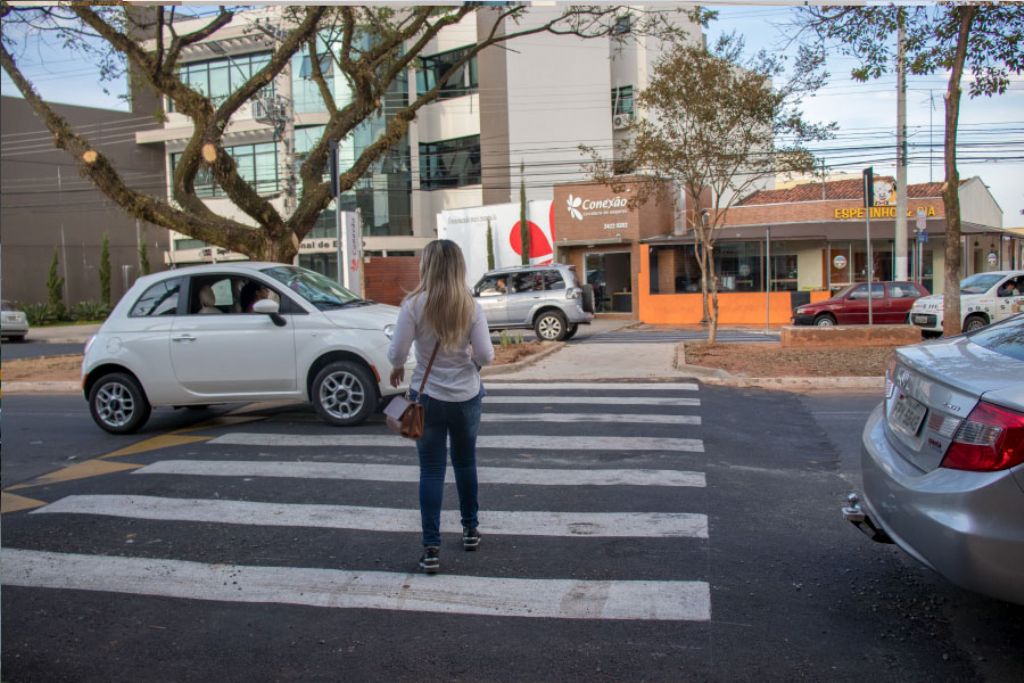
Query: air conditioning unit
620, 121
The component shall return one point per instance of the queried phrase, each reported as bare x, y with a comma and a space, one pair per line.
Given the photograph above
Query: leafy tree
490, 246
524, 225
55, 288
105, 270
985, 38
369, 46
144, 266
715, 125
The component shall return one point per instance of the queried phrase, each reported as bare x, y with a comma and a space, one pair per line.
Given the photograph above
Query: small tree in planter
55, 289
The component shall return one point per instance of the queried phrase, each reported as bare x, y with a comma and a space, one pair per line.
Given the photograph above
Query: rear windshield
1006, 337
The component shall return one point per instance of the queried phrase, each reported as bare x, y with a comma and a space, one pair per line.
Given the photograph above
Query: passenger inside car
1011, 287
207, 301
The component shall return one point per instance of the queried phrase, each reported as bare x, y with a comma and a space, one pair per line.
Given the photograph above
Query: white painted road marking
515, 442
519, 523
495, 399
590, 386
411, 473
340, 589
593, 418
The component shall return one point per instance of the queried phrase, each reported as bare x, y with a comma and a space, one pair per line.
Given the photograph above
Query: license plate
920, 319
907, 415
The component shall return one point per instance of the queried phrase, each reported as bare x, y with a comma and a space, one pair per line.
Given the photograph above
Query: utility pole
900, 236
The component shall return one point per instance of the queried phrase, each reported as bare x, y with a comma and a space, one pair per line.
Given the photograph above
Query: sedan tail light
990, 439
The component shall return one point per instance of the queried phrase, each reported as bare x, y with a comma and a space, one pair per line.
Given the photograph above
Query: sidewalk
63, 334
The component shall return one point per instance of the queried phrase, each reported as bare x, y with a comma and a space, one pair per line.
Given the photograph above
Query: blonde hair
448, 309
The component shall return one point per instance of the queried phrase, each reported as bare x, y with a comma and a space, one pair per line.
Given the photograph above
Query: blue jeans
459, 422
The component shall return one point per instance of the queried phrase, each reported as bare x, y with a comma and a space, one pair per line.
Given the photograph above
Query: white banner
468, 229
352, 251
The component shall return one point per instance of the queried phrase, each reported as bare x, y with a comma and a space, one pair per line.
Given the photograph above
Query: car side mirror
271, 308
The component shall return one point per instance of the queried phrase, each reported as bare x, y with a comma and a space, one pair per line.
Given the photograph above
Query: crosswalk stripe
518, 523
494, 399
593, 418
515, 441
591, 386
343, 589
411, 473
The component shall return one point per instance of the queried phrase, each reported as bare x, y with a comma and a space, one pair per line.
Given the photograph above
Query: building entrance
610, 276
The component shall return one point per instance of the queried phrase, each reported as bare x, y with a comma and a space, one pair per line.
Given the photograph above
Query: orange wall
734, 308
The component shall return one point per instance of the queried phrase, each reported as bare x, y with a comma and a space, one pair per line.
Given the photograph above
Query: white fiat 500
239, 332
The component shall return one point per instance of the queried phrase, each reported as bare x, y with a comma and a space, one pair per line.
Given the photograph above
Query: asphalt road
793, 592
36, 349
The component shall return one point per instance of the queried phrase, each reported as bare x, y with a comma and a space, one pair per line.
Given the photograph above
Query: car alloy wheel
551, 326
343, 393
825, 321
974, 322
118, 404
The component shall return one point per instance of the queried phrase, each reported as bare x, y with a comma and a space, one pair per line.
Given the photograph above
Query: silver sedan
943, 459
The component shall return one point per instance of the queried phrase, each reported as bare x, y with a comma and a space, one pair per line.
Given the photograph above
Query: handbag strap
429, 366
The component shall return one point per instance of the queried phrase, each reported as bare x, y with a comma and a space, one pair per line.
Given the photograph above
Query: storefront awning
834, 231
591, 243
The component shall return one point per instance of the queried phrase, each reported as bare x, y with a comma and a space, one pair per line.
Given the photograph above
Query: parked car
890, 304
984, 299
547, 299
193, 337
943, 459
13, 322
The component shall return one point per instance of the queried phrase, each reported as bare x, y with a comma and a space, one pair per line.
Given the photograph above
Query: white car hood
372, 317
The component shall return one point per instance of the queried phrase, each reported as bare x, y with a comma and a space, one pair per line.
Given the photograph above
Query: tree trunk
712, 279
951, 190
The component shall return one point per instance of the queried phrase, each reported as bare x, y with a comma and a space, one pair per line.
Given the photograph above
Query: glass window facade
740, 266
450, 163
622, 100
218, 78
305, 92
257, 164
463, 82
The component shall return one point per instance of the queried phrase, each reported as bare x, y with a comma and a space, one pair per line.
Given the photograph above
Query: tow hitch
855, 515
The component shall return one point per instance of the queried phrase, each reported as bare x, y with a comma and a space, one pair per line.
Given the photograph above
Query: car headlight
801, 311
389, 331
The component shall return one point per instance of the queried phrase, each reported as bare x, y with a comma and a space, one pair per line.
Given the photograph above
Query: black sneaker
470, 538
430, 562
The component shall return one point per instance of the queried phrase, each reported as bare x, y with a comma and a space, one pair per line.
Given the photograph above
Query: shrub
40, 314
55, 289
90, 310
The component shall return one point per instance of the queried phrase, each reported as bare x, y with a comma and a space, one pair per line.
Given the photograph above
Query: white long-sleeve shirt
455, 375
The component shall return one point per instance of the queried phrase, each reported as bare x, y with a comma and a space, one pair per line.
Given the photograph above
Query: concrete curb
51, 387
509, 368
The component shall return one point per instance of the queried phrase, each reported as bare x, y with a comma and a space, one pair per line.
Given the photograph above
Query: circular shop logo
839, 262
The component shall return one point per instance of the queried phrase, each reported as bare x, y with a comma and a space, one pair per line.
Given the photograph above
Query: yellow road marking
156, 443
12, 503
221, 421
82, 470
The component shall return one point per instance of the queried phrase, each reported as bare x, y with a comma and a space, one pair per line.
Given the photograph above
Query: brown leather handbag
404, 416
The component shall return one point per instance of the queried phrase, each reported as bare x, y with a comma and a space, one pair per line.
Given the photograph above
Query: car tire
571, 332
550, 326
118, 404
588, 298
344, 393
975, 321
825, 320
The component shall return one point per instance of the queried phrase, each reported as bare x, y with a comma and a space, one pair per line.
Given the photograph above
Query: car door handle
184, 338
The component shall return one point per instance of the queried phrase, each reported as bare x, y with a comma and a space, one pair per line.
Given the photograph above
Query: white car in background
211, 334
13, 322
985, 298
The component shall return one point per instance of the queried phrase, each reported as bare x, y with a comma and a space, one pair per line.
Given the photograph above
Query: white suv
239, 332
985, 298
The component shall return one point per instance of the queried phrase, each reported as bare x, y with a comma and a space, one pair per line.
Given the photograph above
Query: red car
890, 305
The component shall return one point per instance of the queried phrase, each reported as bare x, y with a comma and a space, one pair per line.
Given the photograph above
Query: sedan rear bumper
967, 526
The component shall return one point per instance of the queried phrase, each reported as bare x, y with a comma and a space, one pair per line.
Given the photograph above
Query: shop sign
857, 212
318, 244
604, 209
839, 262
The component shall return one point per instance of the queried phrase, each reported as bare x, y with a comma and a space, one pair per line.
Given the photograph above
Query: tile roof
836, 189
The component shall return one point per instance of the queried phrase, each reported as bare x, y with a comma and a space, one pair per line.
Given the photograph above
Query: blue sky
866, 112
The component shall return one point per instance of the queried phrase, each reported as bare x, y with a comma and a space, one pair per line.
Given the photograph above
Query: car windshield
979, 284
318, 290
1006, 337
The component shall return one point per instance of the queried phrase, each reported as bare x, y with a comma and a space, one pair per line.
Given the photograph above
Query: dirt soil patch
49, 369
512, 353
68, 368
766, 359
